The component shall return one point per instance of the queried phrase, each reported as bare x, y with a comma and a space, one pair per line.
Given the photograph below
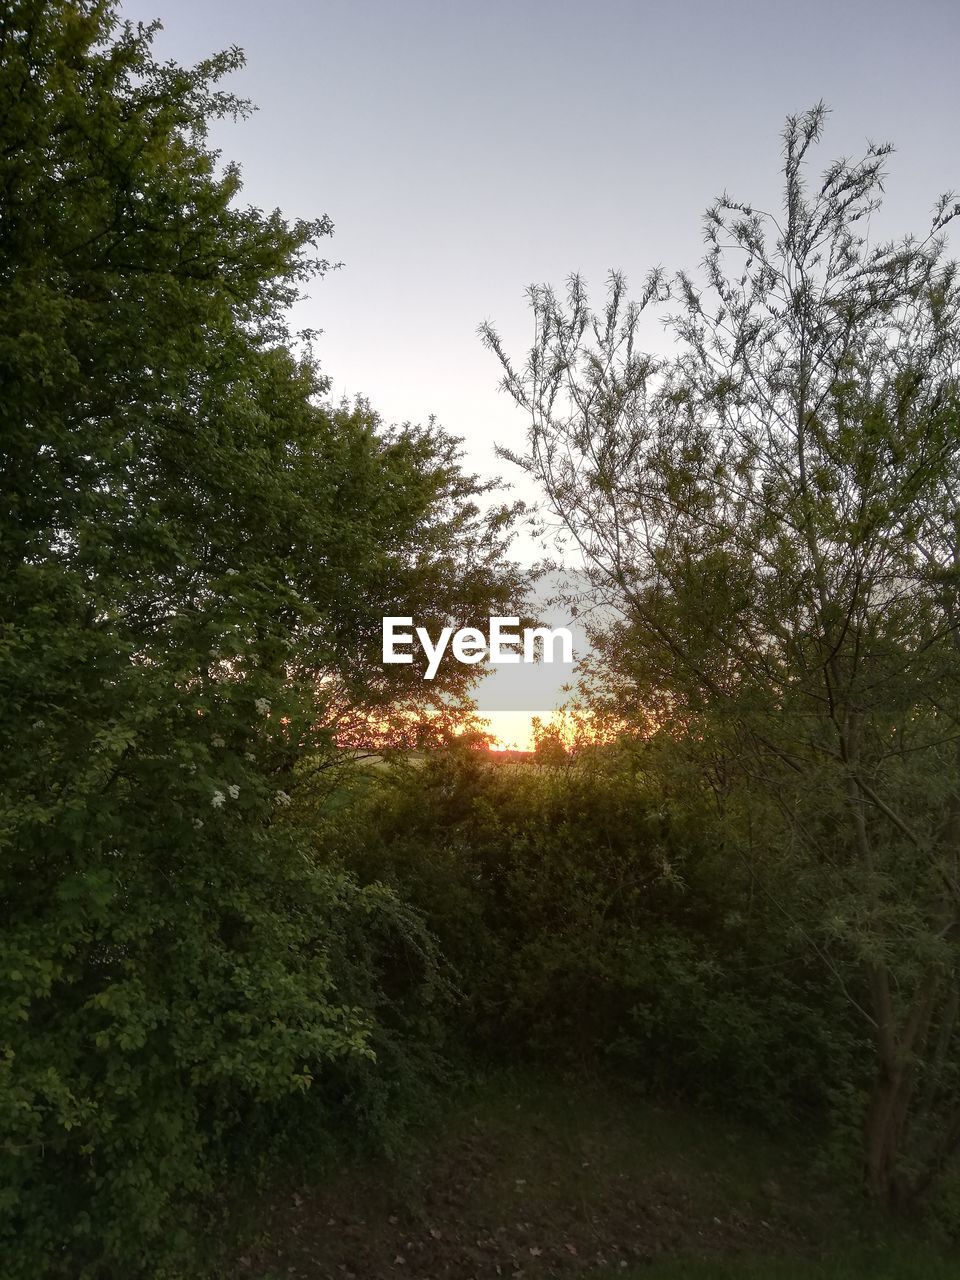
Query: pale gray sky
466, 150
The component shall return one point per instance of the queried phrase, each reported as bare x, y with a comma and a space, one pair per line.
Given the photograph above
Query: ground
535, 1178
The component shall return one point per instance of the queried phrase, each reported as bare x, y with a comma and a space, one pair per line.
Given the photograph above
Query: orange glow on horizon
510, 730
506, 731
514, 731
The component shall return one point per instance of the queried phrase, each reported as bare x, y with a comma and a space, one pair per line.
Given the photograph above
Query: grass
541, 1177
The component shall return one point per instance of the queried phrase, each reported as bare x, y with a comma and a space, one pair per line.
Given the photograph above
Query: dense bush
588, 913
160, 1005
195, 552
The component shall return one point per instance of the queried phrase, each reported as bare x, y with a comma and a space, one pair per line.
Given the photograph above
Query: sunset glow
512, 730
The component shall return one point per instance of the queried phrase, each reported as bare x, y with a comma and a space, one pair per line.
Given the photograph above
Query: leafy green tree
775, 510
196, 552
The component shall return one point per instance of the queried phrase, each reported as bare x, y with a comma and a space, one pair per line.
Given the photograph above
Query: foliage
222, 939
590, 915
196, 552
774, 511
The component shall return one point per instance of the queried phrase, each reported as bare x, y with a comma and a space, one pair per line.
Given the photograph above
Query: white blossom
282, 799
263, 706
248, 755
232, 573
217, 740
234, 791
198, 823
217, 799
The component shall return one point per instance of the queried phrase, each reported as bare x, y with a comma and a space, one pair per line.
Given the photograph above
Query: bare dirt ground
538, 1180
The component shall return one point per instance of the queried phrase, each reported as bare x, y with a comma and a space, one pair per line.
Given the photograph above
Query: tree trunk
882, 1133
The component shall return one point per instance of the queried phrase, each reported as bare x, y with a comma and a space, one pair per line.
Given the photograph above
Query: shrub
589, 914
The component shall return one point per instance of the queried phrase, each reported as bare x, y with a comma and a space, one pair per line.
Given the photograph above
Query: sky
465, 150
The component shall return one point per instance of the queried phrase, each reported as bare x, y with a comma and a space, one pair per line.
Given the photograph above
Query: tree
196, 553
774, 509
